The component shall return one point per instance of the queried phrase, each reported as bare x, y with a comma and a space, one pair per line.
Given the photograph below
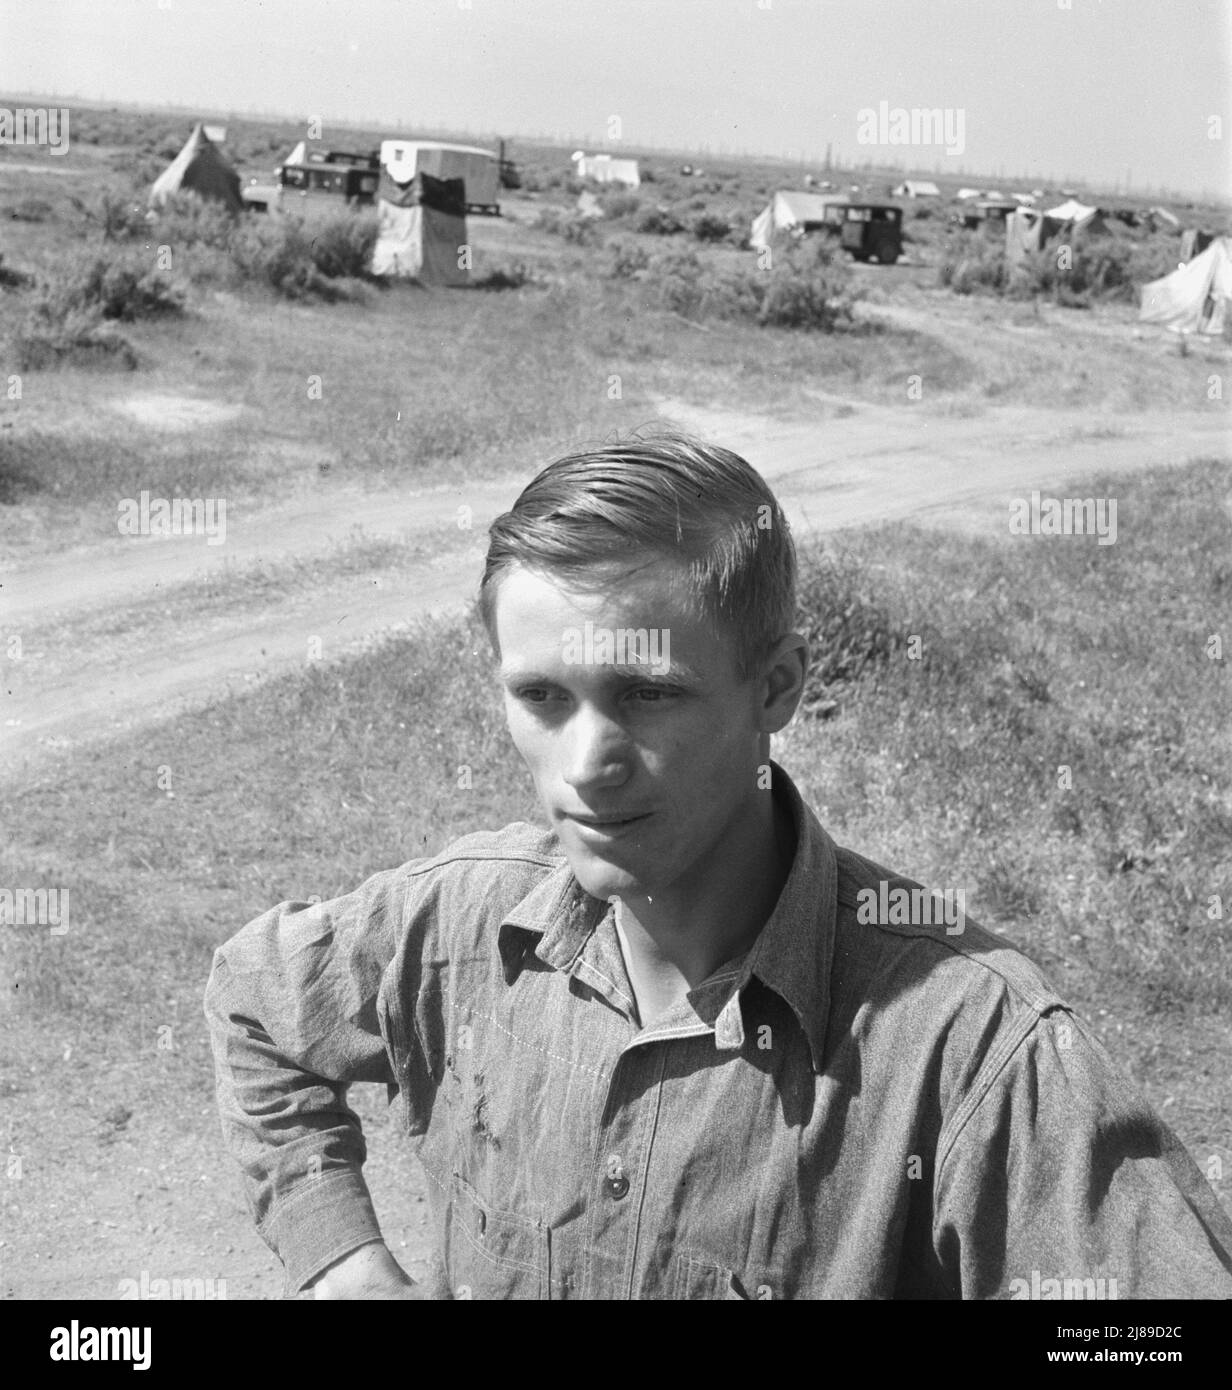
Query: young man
659, 1050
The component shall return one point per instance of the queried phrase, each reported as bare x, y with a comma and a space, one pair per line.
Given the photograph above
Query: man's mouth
610, 823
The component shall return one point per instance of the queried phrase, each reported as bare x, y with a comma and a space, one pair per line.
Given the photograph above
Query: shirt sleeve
1060, 1177
292, 1004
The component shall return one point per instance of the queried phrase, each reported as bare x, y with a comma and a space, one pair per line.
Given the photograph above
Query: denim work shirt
850, 1110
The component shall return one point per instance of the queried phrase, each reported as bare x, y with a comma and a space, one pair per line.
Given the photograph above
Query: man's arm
1060, 1172
292, 1008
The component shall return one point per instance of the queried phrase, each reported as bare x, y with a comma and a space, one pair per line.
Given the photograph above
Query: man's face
644, 773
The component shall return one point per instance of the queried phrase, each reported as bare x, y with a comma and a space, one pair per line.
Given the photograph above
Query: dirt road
853, 465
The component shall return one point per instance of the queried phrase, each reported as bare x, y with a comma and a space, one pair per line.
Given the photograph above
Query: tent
299, 155
478, 169
1195, 240
1194, 298
1085, 219
1027, 230
200, 169
604, 169
421, 230
789, 212
917, 188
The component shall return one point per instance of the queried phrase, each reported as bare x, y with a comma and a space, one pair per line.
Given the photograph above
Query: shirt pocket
699, 1278
493, 1254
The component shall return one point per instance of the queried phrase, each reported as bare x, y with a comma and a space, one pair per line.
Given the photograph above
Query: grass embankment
1037, 653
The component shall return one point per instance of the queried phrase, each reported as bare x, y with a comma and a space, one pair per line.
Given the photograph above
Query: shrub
46, 340
804, 290
511, 277
811, 298
124, 287
277, 252
188, 220
710, 227
342, 245
620, 204
117, 218
658, 221
674, 281
569, 225
625, 258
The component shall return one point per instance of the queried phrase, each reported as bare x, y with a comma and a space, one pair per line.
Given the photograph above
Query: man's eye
653, 694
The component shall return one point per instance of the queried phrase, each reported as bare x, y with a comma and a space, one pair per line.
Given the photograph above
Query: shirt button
616, 1182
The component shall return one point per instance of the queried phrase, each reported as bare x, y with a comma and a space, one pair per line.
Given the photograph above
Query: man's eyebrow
628, 673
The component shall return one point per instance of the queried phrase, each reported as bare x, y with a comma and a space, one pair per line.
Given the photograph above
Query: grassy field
941, 758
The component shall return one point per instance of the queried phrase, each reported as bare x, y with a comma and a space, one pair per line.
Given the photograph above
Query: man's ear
782, 681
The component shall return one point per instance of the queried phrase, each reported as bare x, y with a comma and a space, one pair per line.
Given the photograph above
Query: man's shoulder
913, 940
516, 847
495, 868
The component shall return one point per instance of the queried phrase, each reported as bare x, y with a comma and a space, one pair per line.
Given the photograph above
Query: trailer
479, 169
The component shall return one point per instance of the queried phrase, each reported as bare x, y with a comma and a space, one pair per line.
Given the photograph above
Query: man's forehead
657, 585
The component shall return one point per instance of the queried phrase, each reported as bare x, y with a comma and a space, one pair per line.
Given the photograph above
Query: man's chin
601, 878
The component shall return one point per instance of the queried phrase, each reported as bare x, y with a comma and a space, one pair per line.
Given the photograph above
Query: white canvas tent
478, 169
299, 155
917, 188
789, 211
1080, 214
1194, 298
604, 169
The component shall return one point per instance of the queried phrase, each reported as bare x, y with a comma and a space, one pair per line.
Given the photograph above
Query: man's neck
671, 944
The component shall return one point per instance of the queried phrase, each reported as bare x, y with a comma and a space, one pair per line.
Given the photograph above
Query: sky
1131, 94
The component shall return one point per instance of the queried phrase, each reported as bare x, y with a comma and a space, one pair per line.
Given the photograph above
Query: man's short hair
591, 516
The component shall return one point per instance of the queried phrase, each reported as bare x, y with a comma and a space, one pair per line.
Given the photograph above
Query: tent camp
200, 169
478, 169
421, 230
1194, 298
795, 212
916, 188
604, 169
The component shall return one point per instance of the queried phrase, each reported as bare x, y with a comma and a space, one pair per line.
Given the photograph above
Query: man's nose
597, 751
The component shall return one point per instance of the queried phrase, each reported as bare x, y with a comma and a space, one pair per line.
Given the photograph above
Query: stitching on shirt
529, 857
699, 1031
586, 965
532, 1047
994, 1064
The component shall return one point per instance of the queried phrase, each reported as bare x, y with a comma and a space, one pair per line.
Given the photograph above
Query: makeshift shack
422, 230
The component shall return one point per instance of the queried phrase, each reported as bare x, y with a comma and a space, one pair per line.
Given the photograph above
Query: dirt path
856, 465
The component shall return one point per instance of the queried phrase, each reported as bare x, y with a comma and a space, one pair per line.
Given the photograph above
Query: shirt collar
792, 954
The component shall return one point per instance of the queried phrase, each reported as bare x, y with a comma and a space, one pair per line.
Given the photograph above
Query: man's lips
607, 821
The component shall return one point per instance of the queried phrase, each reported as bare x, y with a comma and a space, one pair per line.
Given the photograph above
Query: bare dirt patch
176, 413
